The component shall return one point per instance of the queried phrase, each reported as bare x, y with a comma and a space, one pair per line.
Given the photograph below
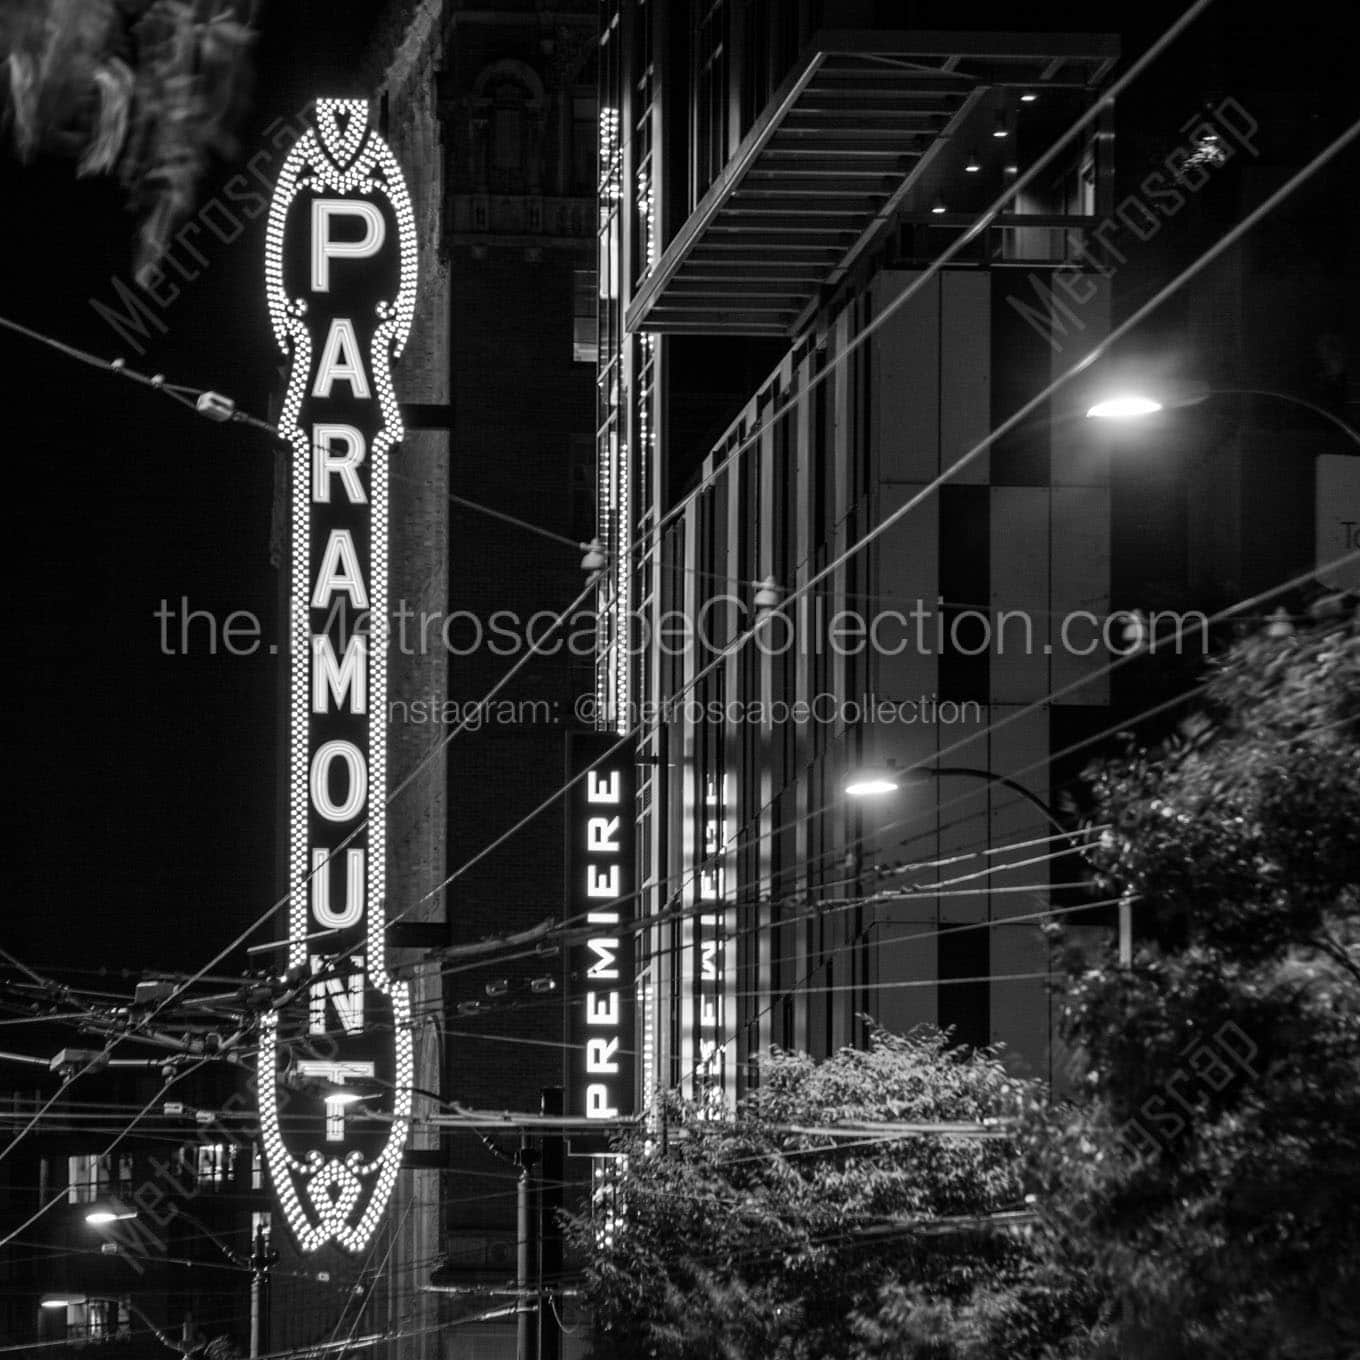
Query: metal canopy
837, 151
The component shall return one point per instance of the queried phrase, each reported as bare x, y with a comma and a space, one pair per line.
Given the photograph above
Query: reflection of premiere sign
707, 1061
340, 275
1338, 519
599, 868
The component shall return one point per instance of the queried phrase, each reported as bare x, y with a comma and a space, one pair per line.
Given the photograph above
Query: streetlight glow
1124, 408
341, 1097
99, 1217
61, 1300
871, 783
108, 1209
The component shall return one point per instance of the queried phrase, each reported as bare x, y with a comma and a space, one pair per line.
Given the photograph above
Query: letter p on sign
324, 250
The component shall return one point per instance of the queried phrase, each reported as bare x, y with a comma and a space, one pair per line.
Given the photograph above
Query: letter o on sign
356, 780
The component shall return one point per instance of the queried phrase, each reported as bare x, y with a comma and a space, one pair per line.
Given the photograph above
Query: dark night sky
140, 787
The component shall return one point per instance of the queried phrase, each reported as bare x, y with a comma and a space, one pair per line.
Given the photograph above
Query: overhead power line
971, 455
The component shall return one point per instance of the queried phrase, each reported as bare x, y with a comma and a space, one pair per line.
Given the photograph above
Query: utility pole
262, 1256
551, 1197
526, 1300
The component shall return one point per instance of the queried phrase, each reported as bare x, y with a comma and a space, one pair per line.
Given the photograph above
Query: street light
257, 1263
106, 1211
55, 1301
99, 1217
875, 781
1133, 405
872, 781
1128, 407
1337, 491
345, 1095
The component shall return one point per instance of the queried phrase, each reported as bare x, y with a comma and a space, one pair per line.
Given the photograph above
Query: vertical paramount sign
340, 273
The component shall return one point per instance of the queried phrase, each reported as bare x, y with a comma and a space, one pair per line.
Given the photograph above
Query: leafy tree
1207, 1186
147, 90
739, 1235
1196, 1201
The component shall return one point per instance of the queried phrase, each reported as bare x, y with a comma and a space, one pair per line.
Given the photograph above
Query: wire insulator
215, 406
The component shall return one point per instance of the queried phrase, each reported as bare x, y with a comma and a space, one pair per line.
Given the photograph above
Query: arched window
508, 98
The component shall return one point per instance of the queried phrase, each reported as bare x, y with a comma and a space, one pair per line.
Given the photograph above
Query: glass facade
782, 912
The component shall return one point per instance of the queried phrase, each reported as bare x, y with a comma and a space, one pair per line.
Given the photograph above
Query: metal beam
844, 147
1092, 47
895, 200
775, 227
718, 324
761, 270
828, 166
844, 206
764, 185
793, 251
732, 175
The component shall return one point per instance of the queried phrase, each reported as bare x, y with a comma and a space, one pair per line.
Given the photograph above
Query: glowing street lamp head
341, 1096
99, 1217
872, 783
1126, 407
61, 1300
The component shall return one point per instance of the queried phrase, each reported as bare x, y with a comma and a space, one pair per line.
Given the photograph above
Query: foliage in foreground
743, 1237
147, 90
1196, 1202
1207, 1184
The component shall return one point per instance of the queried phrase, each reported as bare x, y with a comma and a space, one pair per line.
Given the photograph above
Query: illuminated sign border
345, 156
600, 844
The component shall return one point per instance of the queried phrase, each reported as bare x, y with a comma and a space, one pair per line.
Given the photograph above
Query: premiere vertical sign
601, 912
340, 274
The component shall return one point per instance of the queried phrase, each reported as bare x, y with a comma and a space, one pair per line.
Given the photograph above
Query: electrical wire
899, 301
119, 367
392, 795
979, 225
1178, 280
1231, 612
691, 875
819, 909
52, 1203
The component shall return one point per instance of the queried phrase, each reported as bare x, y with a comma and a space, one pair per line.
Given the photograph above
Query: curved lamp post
74, 1300
876, 781
1129, 405
1134, 405
257, 1263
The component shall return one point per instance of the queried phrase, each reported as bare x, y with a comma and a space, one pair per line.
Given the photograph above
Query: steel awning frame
840, 145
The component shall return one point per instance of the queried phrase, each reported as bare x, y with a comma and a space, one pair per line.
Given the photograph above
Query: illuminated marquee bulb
329, 1191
